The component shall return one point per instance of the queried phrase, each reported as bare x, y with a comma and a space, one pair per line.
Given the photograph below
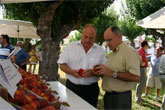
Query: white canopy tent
18, 28
155, 20
22, 1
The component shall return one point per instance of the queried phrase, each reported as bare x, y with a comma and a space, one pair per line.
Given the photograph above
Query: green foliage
108, 18
142, 8
152, 39
13, 41
66, 13
129, 28
76, 37
128, 25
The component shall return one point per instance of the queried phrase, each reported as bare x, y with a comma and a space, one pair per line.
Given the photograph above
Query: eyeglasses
108, 40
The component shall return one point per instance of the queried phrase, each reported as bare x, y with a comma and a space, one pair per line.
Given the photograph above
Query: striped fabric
5, 51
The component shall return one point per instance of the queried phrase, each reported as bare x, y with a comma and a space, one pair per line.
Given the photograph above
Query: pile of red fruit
29, 101
33, 84
37, 85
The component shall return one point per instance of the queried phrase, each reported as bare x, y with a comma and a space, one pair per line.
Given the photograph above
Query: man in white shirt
162, 78
83, 54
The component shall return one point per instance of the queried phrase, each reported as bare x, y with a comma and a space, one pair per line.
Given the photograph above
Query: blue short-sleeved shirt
5, 51
21, 56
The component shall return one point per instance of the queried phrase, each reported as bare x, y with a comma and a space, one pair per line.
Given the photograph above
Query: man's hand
75, 73
87, 73
103, 70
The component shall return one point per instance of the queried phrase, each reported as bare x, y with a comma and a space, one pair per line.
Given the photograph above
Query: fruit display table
5, 105
75, 102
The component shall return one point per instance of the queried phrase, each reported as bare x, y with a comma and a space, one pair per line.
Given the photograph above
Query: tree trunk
51, 40
132, 43
49, 66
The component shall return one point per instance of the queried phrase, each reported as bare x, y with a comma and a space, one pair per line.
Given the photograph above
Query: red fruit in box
44, 103
36, 84
30, 107
27, 99
11, 100
26, 106
18, 99
95, 68
19, 92
52, 99
33, 97
45, 96
37, 91
49, 108
80, 71
22, 81
37, 102
34, 105
44, 87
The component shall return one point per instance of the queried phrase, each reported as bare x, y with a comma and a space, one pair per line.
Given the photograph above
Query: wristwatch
114, 75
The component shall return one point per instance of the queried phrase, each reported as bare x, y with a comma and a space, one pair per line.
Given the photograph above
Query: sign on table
10, 76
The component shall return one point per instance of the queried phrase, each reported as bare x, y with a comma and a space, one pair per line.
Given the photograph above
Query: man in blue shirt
5, 48
153, 77
22, 57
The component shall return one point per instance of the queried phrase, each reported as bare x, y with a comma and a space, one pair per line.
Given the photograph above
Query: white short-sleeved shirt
75, 57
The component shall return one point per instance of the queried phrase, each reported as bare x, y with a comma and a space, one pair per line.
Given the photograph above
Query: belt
161, 73
95, 83
113, 92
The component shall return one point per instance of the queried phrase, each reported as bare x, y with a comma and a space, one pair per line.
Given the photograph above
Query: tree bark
49, 66
50, 49
132, 43
51, 41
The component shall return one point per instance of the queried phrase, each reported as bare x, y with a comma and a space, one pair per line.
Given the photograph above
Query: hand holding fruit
81, 71
75, 73
101, 69
87, 73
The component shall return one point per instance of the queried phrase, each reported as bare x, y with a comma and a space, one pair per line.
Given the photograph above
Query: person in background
143, 69
153, 77
33, 60
83, 54
162, 78
5, 48
22, 57
120, 72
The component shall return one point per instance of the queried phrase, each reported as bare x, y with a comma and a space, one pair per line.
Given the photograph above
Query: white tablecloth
75, 102
5, 105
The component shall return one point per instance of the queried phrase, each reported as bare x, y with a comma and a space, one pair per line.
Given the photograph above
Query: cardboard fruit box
4, 93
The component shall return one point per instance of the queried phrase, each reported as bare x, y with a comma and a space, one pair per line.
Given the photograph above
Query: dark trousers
119, 101
87, 92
